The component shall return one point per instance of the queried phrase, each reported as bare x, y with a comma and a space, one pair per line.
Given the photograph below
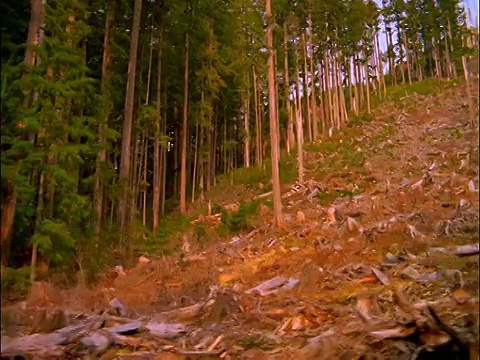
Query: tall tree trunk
299, 123
128, 117
246, 123
277, 200
367, 83
102, 154
183, 169
471, 106
145, 162
436, 59
258, 135
305, 89
176, 147
201, 167
391, 58
158, 163
277, 111
290, 135
195, 158
335, 96
353, 98
313, 101
322, 96
328, 90
407, 51
380, 64
214, 146
144, 182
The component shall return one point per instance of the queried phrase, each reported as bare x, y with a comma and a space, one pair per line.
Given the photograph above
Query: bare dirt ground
379, 260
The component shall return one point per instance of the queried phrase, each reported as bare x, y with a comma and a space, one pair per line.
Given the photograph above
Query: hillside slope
359, 255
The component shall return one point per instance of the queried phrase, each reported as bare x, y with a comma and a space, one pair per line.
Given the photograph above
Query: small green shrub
15, 282
239, 220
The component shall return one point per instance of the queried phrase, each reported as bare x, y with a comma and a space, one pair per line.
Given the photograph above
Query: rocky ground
379, 260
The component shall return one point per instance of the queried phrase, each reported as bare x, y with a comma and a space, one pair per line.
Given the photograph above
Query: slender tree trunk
145, 153
183, 170
246, 123
322, 96
329, 92
305, 90
225, 148
102, 154
135, 176
164, 151
195, 158
436, 59
407, 51
258, 136
359, 81
341, 95
214, 147
277, 200
393, 71
277, 111
144, 182
380, 64
201, 167
158, 163
449, 49
313, 101
469, 93
128, 116
353, 98
290, 135
367, 85
299, 122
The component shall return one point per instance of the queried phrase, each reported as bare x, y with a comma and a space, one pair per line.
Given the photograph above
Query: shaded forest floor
368, 267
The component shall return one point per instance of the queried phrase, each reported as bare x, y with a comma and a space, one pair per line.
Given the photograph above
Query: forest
117, 115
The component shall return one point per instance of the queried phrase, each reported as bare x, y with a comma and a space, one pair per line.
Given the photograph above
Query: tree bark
157, 160
125, 163
290, 135
246, 123
277, 200
183, 166
258, 130
299, 123
313, 101
306, 95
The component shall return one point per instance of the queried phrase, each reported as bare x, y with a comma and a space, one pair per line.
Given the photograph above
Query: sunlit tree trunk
125, 164
290, 135
277, 201
305, 90
299, 123
246, 124
258, 126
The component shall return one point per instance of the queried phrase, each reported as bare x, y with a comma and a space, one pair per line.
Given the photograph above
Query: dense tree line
111, 108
